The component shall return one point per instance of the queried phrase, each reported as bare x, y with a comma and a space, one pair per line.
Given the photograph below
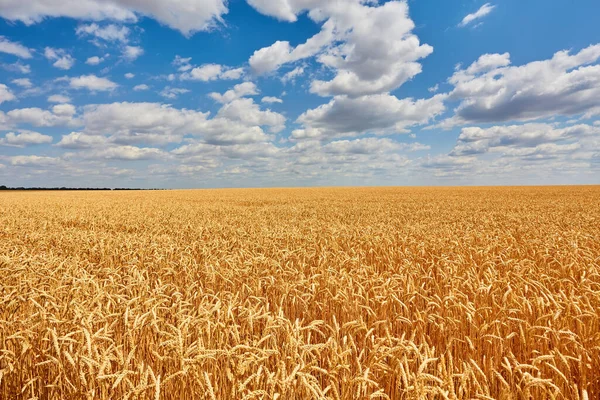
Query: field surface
399, 293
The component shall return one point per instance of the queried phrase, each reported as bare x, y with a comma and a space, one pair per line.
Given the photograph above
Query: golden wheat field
371, 293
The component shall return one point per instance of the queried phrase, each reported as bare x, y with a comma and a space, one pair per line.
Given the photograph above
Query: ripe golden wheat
416, 293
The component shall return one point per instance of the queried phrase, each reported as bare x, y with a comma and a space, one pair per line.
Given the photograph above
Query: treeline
67, 188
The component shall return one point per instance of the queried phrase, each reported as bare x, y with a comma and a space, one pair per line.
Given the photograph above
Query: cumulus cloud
132, 53
187, 16
24, 138
173, 93
129, 75
492, 90
371, 48
292, 75
212, 72
78, 140
14, 48
6, 94
23, 82
238, 91
271, 99
34, 161
17, 67
522, 138
59, 98
126, 153
95, 60
482, 12
92, 83
141, 87
61, 58
377, 114
109, 33
57, 116
237, 122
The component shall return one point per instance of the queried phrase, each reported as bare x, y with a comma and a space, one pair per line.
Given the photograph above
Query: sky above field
215, 93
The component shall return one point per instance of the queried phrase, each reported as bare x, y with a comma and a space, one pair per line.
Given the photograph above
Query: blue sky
209, 93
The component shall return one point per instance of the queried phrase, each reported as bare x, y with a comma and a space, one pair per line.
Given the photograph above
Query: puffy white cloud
18, 67
34, 161
38, 117
482, 12
371, 48
110, 32
238, 91
16, 49
5, 94
24, 138
476, 140
247, 112
157, 123
211, 72
141, 87
271, 99
173, 93
23, 82
92, 83
129, 75
434, 88
61, 58
64, 110
126, 153
378, 114
187, 16
292, 75
132, 53
95, 60
182, 63
59, 98
490, 90
78, 140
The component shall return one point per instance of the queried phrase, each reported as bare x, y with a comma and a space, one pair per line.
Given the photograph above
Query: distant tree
3, 187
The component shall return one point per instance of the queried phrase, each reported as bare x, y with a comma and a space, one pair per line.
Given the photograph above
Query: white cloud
141, 87
434, 88
95, 60
64, 110
211, 72
173, 93
38, 117
128, 123
187, 16
24, 138
59, 98
378, 114
18, 67
292, 75
270, 99
61, 58
491, 90
482, 12
16, 49
126, 153
129, 75
92, 83
23, 82
132, 53
110, 32
5, 94
476, 140
34, 161
77, 140
182, 64
238, 91
371, 49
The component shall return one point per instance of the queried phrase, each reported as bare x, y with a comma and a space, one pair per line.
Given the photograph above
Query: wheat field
370, 293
